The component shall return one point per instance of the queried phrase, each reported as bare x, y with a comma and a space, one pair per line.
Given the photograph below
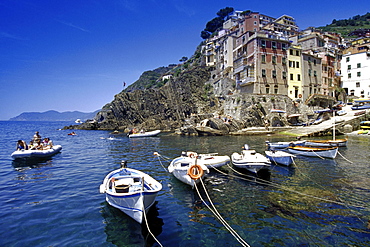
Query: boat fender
102, 189
195, 172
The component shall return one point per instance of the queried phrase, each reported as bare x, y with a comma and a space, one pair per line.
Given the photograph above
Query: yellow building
295, 78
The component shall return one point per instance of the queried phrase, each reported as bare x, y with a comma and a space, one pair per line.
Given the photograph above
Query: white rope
261, 181
219, 217
147, 225
345, 158
159, 158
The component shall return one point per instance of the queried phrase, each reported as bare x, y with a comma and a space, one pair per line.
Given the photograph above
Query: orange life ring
195, 172
191, 155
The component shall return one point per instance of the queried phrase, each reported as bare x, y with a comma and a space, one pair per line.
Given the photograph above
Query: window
297, 64
358, 74
349, 67
267, 89
309, 72
349, 75
255, 23
263, 73
298, 77
314, 61
274, 59
359, 65
273, 45
291, 52
314, 73
275, 89
284, 74
283, 60
283, 46
263, 59
290, 64
291, 77
347, 59
274, 74
358, 84
263, 43
297, 53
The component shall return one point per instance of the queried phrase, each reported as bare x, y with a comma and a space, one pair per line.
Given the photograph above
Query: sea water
56, 201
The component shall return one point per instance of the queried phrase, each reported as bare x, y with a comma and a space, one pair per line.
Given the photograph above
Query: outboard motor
123, 164
246, 147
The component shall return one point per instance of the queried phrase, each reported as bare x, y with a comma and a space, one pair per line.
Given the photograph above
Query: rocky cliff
192, 97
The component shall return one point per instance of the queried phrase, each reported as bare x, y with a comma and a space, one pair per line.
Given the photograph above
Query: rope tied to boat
218, 216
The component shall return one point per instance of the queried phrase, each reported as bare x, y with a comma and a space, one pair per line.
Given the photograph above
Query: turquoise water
56, 202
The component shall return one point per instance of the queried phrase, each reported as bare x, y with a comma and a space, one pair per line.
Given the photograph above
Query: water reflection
122, 230
20, 164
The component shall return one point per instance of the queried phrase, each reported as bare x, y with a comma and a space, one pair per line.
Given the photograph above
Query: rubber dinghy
145, 134
36, 153
131, 191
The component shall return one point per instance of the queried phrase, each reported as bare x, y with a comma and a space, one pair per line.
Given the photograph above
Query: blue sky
75, 55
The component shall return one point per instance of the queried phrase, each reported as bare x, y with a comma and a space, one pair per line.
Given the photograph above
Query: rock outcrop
192, 101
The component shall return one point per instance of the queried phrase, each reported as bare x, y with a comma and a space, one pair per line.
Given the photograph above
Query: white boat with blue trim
131, 191
280, 157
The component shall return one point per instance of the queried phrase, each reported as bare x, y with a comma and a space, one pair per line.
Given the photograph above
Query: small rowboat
327, 143
283, 145
145, 134
131, 191
280, 157
36, 153
187, 170
329, 152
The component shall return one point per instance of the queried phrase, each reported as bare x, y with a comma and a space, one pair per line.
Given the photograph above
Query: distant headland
54, 116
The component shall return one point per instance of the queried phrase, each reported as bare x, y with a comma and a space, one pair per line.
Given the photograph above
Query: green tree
225, 12
183, 59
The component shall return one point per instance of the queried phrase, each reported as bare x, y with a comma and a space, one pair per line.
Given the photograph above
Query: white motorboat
187, 170
131, 191
250, 160
328, 152
145, 134
280, 157
211, 160
36, 153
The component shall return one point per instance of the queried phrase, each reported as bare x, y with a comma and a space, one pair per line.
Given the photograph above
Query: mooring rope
160, 161
147, 225
345, 158
219, 217
264, 182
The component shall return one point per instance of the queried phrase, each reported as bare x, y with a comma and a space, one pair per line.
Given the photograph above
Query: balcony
247, 81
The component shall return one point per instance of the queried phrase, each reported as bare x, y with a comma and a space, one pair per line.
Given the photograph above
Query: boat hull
280, 157
132, 195
330, 153
36, 153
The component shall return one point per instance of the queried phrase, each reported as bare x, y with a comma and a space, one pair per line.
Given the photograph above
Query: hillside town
267, 55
